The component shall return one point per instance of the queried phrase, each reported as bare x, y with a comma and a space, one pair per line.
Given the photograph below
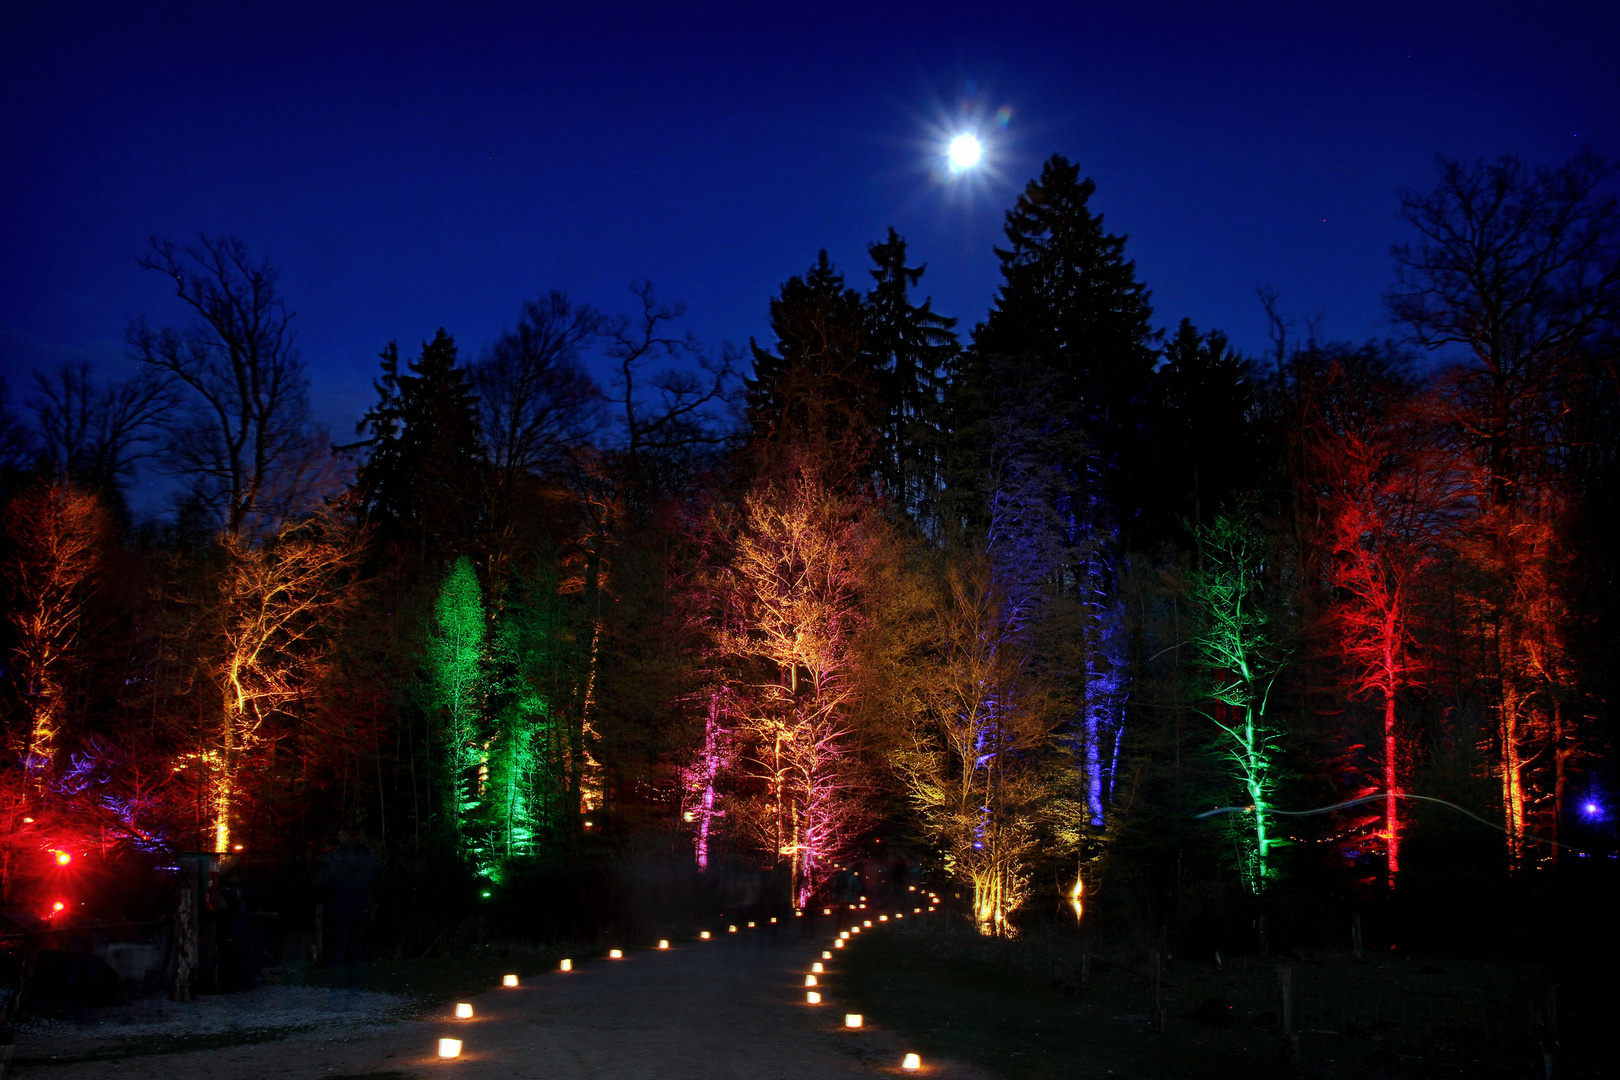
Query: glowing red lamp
63, 858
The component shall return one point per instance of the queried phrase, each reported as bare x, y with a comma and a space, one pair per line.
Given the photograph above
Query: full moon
964, 152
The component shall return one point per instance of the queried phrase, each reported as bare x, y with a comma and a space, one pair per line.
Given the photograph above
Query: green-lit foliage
456, 683
526, 795
1237, 652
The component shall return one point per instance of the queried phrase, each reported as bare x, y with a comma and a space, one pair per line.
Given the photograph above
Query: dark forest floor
1380, 1018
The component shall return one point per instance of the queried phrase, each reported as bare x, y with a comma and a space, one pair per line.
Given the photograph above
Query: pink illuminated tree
791, 615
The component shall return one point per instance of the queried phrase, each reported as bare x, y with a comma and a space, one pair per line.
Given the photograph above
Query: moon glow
964, 152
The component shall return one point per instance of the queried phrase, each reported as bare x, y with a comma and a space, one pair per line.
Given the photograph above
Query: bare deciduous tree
93, 434
245, 439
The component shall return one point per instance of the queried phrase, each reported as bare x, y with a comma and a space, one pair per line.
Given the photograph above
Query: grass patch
956, 1000
993, 1004
166, 1044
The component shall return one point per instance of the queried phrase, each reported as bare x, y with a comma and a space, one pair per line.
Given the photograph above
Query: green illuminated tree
456, 687
1234, 644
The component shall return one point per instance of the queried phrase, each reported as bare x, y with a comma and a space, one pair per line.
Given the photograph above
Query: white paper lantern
449, 1048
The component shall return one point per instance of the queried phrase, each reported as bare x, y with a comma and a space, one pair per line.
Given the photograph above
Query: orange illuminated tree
275, 603
58, 535
792, 615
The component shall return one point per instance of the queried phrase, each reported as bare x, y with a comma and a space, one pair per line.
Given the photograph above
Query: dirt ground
732, 1007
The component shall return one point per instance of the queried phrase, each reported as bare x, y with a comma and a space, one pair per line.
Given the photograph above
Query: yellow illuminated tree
275, 602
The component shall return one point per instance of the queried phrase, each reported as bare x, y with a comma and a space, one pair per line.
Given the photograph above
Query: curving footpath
731, 1007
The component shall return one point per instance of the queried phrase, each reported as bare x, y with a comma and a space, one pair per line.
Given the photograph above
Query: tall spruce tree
424, 477
1211, 441
1070, 303
910, 347
820, 381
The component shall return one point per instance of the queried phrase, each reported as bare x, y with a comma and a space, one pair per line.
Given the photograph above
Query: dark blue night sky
409, 168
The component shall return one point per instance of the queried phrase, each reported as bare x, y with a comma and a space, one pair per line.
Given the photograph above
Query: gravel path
716, 1010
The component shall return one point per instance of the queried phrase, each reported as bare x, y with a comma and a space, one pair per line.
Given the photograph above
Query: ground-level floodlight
449, 1048
812, 998
463, 1010
615, 954
852, 1020
566, 965
912, 1063
508, 980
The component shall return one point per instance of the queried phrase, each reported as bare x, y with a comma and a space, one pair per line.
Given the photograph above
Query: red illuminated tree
1390, 497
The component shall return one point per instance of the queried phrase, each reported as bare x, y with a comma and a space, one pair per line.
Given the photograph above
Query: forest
1078, 609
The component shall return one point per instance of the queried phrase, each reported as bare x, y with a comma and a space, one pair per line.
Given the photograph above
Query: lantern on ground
912, 1063
812, 998
508, 980
826, 911
843, 935
825, 955
773, 918
449, 1048
704, 934
750, 925
839, 944
868, 922
732, 928
662, 943
566, 965
899, 915
463, 1010
852, 1020
816, 967
809, 980
615, 954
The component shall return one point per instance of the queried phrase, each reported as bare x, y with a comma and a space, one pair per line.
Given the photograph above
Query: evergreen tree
1070, 303
423, 478
820, 381
1210, 439
456, 687
910, 347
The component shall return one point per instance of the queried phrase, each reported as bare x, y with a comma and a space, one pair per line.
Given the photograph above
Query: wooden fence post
1285, 1016
185, 942
1156, 971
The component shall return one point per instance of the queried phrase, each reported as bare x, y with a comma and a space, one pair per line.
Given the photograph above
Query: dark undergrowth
995, 1004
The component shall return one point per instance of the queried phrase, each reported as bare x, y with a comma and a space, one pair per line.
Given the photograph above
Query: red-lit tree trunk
1390, 494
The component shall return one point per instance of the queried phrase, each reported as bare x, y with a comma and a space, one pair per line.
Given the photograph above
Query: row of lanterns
451, 1048
911, 1062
